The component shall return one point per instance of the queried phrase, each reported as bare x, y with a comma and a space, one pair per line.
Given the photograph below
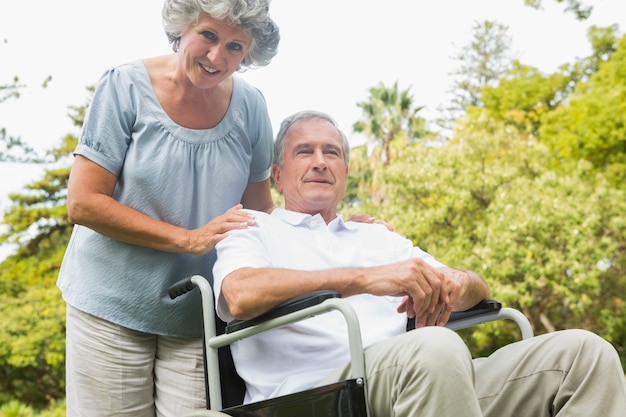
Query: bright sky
331, 53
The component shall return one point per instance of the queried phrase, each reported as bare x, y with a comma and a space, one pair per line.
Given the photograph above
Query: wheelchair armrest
295, 304
485, 306
294, 311
482, 308
484, 312
487, 311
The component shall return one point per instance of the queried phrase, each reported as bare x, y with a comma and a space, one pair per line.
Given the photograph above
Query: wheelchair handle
182, 287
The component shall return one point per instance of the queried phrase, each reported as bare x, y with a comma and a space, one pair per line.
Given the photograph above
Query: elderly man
428, 371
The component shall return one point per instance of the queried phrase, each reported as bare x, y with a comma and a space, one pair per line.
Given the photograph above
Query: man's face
314, 176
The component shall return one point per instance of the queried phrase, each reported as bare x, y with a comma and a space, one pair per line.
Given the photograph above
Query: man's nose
319, 161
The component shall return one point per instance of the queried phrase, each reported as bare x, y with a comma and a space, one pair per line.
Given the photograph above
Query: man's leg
567, 373
426, 372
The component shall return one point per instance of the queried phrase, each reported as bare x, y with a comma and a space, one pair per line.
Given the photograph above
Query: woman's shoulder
248, 91
132, 72
155, 66
248, 105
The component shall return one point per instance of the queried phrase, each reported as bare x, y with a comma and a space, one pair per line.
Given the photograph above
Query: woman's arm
258, 196
90, 203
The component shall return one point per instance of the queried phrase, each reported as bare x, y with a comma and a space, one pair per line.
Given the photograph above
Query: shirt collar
295, 218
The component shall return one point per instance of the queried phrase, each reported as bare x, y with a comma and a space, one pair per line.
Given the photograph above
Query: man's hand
440, 315
425, 287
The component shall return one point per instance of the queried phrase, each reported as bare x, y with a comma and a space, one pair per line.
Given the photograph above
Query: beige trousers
114, 371
429, 372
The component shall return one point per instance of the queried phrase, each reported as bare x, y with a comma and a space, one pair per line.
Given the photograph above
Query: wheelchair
342, 399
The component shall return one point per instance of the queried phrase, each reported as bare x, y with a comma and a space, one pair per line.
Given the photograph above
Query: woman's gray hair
280, 142
251, 16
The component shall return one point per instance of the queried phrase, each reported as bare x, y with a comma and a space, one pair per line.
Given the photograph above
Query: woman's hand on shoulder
203, 239
364, 218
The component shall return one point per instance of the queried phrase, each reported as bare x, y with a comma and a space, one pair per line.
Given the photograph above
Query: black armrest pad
485, 306
290, 306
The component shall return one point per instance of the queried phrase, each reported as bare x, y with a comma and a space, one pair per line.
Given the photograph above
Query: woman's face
212, 50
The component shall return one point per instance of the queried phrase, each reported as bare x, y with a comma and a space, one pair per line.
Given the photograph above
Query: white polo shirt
301, 355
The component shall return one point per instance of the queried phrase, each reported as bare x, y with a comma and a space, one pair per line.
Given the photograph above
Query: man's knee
590, 345
436, 348
578, 340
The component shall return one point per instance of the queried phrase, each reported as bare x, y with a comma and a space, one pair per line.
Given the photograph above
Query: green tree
550, 243
482, 62
591, 126
603, 42
523, 96
389, 116
32, 314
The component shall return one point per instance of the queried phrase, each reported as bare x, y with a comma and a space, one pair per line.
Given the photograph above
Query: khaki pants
114, 371
428, 372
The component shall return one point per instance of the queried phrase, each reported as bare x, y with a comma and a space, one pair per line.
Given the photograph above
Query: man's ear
276, 175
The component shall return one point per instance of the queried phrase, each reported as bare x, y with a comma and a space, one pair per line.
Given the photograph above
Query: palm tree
388, 116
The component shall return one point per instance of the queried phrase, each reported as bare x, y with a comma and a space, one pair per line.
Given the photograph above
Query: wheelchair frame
351, 392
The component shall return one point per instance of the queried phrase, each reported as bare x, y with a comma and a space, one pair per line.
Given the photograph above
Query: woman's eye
235, 47
208, 35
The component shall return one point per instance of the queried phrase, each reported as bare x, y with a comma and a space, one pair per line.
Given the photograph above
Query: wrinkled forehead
313, 131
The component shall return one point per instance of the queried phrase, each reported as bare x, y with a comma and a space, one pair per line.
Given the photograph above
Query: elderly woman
171, 149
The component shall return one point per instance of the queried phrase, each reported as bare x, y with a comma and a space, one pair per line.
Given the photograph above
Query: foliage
523, 97
576, 7
592, 125
529, 192
32, 314
12, 148
11, 89
389, 116
16, 409
483, 61
551, 244
603, 42
33, 346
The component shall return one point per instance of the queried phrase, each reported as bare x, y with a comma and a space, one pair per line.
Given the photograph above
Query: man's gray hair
279, 143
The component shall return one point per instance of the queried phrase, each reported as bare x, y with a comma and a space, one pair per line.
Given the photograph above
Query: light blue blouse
178, 175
